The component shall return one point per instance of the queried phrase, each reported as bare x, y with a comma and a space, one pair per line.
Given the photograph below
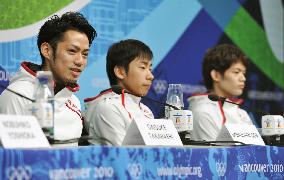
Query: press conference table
142, 162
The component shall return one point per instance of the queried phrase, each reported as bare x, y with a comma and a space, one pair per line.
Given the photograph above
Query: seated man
64, 44
224, 69
109, 114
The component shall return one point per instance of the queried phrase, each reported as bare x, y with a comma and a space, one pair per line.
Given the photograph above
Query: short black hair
220, 58
122, 54
53, 29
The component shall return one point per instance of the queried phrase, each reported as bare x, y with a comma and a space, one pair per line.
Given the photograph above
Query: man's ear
46, 51
119, 72
215, 75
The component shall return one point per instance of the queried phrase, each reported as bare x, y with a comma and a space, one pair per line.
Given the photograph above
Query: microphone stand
273, 140
82, 141
162, 103
185, 137
217, 143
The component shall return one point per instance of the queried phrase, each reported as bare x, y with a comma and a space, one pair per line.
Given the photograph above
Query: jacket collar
32, 68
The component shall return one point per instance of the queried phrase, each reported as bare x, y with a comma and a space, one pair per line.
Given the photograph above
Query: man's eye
71, 51
142, 67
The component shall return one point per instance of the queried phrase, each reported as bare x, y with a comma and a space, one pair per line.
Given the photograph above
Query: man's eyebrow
239, 69
77, 47
146, 62
86, 50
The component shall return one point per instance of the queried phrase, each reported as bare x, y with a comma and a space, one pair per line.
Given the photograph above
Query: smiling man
129, 65
64, 43
224, 69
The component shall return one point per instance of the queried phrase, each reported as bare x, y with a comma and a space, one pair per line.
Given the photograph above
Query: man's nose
150, 76
79, 61
243, 78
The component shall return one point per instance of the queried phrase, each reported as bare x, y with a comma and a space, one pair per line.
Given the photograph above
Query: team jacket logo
73, 107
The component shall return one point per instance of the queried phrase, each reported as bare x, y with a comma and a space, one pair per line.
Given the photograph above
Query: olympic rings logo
221, 168
19, 173
134, 170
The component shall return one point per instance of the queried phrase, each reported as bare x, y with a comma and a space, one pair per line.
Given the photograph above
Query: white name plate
272, 125
21, 132
247, 134
152, 132
182, 119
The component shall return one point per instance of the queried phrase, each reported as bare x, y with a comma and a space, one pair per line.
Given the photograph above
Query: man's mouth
242, 86
75, 72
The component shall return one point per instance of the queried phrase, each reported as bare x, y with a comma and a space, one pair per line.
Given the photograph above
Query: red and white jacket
68, 120
108, 116
209, 116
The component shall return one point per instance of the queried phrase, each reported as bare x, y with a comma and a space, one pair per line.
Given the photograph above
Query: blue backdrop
178, 32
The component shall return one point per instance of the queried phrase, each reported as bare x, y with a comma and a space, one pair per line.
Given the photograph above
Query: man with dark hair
64, 43
224, 69
108, 115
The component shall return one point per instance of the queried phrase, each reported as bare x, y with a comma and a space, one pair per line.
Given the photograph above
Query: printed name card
247, 134
272, 125
152, 132
21, 132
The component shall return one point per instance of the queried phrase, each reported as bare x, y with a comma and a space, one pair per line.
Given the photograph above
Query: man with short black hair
64, 43
129, 65
224, 69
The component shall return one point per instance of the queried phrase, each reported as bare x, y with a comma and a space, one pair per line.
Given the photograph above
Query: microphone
214, 97
118, 90
14, 92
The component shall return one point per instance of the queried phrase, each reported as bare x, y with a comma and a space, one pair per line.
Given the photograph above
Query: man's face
139, 77
70, 57
232, 82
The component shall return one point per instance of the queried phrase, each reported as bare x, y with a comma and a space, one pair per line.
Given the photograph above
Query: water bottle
174, 97
43, 108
